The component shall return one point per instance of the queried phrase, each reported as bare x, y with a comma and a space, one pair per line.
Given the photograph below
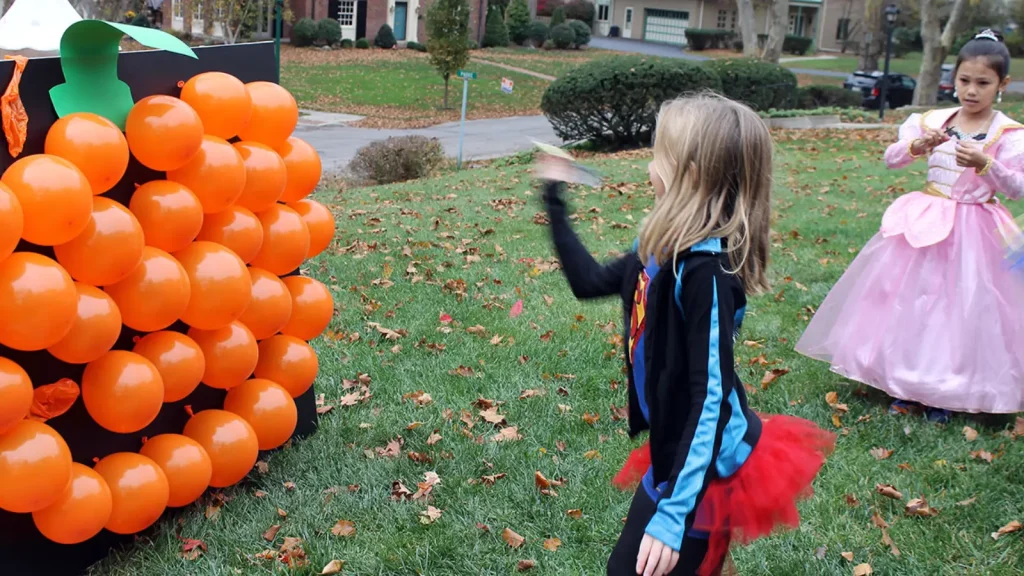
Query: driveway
485, 139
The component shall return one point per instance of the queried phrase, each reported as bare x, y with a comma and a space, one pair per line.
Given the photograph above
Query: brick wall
377, 16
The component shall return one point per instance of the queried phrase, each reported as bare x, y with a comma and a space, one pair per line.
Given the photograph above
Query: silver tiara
987, 35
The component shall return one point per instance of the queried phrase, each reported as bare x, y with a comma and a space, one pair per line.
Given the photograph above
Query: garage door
666, 26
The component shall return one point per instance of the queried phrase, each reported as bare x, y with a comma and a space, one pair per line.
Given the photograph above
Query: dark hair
987, 44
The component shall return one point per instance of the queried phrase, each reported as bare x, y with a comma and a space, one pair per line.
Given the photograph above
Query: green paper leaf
88, 56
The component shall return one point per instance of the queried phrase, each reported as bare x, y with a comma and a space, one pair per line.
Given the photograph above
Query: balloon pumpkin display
200, 261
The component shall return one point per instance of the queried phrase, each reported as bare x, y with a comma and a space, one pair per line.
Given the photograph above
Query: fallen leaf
848, 556
477, 330
289, 486
192, 549
863, 570
889, 491
434, 438
981, 455
832, 398
464, 371
282, 513
525, 565
517, 310
575, 514
511, 538
530, 393
491, 415
970, 434
399, 491
271, 534
333, 567
820, 552
542, 482
878, 521
507, 434
430, 515
482, 526
772, 376
1010, 528
445, 318
591, 418
967, 502
920, 507
851, 500
292, 553
887, 540
491, 479
552, 544
880, 453
836, 421
344, 528
1018, 428
592, 454
260, 494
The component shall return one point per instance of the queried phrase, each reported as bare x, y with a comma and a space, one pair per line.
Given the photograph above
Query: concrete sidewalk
337, 143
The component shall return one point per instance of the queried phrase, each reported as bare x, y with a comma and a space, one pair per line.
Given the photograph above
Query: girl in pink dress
929, 312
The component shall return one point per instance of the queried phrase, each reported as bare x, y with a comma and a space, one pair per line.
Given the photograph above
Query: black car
947, 90
900, 91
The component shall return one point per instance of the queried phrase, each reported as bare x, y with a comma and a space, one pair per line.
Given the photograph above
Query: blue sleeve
708, 318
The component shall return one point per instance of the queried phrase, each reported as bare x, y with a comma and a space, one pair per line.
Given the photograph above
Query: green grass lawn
909, 64
550, 62
469, 245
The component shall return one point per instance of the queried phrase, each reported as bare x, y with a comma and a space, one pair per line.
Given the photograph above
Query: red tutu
762, 495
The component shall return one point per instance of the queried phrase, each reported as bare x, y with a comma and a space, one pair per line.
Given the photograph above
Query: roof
36, 25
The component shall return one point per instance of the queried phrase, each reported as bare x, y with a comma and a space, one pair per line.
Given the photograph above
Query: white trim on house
348, 15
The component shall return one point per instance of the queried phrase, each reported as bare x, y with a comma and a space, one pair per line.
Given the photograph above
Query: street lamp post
892, 12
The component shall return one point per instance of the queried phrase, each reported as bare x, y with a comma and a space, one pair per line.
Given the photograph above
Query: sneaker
902, 407
938, 415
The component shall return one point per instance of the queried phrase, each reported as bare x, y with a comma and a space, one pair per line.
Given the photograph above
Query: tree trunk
446, 78
779, 14
937, 44
748, 27
208, 18
186, 18
874, 35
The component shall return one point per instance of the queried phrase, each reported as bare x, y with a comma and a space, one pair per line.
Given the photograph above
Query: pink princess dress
928, 311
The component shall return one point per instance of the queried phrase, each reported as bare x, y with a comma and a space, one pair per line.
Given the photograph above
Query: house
830, 22
363, 18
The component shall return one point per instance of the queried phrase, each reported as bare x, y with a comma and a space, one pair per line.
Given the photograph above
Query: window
347, 14
723, 17
732, 22
843, 29
176, 9
197, 9
602, 12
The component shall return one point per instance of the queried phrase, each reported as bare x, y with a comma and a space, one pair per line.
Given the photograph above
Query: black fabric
623, 559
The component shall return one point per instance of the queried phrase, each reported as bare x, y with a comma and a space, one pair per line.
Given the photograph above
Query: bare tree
748, 28
187, 15
937, 44
209, 7
874, 35
778, 12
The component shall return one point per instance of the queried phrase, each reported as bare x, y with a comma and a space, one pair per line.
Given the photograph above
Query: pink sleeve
1006, 174
898, 155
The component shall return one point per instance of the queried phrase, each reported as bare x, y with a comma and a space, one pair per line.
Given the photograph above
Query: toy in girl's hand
568, 170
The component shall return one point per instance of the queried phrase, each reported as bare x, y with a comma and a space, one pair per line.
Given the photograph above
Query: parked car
947, 89
900, 91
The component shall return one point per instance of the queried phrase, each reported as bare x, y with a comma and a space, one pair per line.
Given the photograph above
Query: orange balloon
220, 283
285, 240
229, 441
312, 307
270, 306
177, 358
92, 143
267, 407
80, 512
38, 302
138, 489
96, 328
35, 467
122, 391
155, 294
288, 361
303, 166
55, 198
274, 114
184, 462
235, 228
320, 223
221, 100
163, 132
12, 221
265, 176
231, 354
170, 214
108, 249
15, 394
216, 174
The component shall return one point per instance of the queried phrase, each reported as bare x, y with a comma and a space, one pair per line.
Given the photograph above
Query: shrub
304, 33
548, 45
614, 102
827, 96
798, 45
760, 85
581, 32
558, 16
347, 43
1015, 43
698, 39
362, 44
548, 7
537, 33
472, 44
495, 34
385, 38
397, 159
517, 20
582, 10
416, 46
141, 20
563, 36
328, 31
614, 32
500, 5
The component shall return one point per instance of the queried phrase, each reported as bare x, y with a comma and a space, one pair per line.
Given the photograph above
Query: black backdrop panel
23, 551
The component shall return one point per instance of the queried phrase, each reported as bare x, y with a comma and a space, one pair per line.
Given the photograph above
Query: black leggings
623, 559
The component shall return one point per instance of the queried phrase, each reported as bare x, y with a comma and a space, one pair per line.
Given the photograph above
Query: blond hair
715, 158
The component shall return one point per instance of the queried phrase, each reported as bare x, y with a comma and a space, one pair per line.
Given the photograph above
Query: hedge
760, 85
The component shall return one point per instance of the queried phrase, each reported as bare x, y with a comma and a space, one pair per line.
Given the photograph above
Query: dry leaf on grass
509, 434
512, 539
887, 540
880, 453
851, 500
552, 544
271, 534
1010, 528
920, 507
772, 376
970, 434
333, 567
191, 549
967, 502
344, 528
292, 553
889, 491
525, 565
575, 514
863, 570
981, 455
434, 438
848, 556
878, 521
430, 515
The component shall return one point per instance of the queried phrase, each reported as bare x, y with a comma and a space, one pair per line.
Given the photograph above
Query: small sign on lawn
507, 85
466, 75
